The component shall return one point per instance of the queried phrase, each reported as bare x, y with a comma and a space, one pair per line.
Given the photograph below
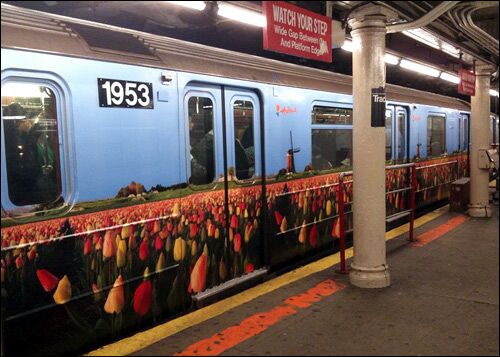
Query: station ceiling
207, 28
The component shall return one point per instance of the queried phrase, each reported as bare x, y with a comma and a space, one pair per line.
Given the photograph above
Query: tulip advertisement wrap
80, 280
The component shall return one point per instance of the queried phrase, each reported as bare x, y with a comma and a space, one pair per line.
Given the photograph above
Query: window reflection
31, 137
244, 150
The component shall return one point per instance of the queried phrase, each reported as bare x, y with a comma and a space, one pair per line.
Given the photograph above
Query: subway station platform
443, 300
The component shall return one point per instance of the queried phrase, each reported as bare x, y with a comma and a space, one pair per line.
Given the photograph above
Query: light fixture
391, 59
420, 68
494, 93
429, 39
196, 5
449, 77
240, 14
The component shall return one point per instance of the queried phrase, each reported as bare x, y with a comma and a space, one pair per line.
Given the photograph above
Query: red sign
292, 30
467, 84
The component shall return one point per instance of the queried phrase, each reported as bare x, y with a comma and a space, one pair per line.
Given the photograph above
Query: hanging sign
378, 107
467, 84
298, 32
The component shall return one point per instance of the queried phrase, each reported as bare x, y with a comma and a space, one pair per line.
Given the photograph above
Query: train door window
436, 135
244, 150
388, 135
464, 132
31, 139
494, 129
331, 137
201, 140
401, 138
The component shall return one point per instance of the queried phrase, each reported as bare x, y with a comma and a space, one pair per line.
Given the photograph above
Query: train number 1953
124, 94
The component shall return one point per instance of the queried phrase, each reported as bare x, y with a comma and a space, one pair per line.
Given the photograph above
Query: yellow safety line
144, 339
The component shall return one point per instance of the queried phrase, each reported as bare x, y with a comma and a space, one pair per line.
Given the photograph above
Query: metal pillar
369, 268
479, 205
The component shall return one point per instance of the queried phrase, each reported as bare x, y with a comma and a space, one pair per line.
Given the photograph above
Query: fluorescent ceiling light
429, 39
196, 5
494, 92
19, 89
420, 68
449, 77
391, 59
240, 14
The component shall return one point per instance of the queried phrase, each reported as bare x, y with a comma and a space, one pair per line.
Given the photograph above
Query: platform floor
443, 300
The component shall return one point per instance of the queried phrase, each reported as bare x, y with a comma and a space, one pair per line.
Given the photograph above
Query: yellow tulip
179, 249
121, 254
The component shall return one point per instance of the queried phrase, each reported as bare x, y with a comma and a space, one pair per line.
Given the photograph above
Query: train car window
388, 134
243, 139
31, 137
201, 140
331, 148
436, 135
401, 135
331, 139
331, 116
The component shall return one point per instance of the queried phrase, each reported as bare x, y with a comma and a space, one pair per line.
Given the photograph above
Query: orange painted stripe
429, 236
260, 322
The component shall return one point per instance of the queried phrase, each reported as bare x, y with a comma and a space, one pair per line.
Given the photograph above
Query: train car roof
43, 32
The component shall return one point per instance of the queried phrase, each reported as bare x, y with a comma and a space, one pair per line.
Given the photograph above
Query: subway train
143, 175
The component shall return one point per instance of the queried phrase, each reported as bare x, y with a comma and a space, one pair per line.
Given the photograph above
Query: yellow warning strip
144, 339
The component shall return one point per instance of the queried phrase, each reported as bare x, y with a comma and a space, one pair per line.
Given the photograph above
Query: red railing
410, 185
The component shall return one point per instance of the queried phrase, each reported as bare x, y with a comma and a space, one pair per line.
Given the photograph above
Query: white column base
479, 211
371, 278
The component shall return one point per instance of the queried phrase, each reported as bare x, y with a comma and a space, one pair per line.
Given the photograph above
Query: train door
223, 165
244, 170
396, 125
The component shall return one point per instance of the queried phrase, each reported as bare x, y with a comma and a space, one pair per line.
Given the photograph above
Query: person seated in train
202, 156
318, 161
241, 160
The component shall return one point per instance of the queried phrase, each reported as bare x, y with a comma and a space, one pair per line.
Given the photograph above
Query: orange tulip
63, 292
116, 298
199, 273
109, 247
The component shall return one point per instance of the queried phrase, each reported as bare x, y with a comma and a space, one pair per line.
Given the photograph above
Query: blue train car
142, 173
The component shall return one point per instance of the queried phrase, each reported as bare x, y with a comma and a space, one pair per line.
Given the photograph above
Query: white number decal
129, 91
144, 101
117, 92
106, 86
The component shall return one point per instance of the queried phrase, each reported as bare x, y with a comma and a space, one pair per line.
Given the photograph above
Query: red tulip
143, 298
158, 243
313, 236
278, 217
87, 246
336, 228
249, 268
234, 222
193, 228
19, 262
48, 281
237, 243
144, 250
